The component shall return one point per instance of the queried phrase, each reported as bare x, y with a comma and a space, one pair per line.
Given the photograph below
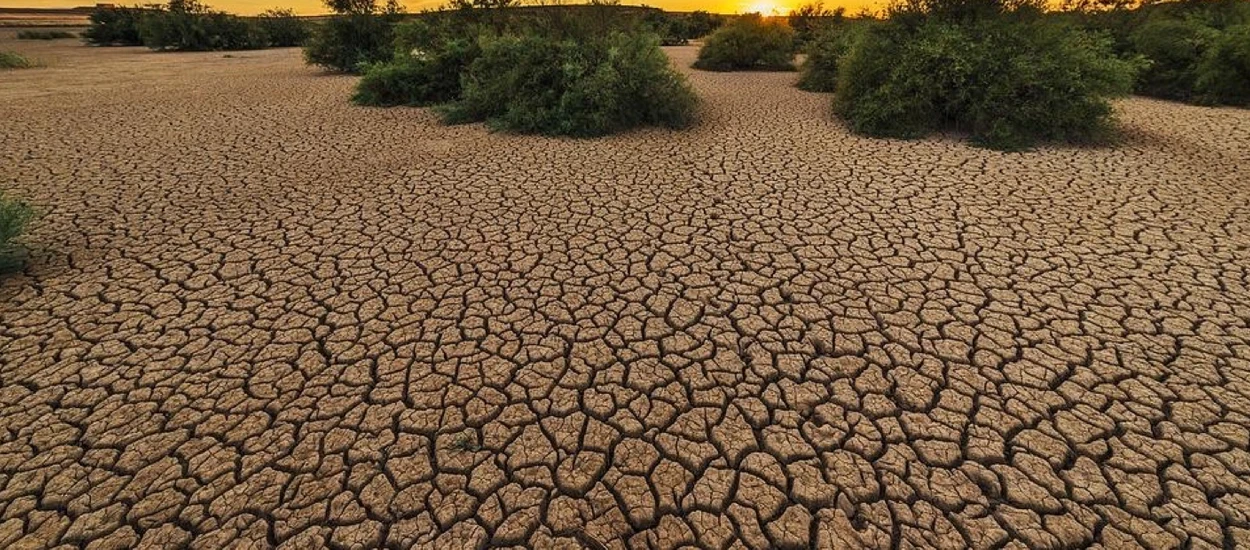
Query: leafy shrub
349, 43
282, 29
749, 43
115, 26
1008, 83
700, 23
199, 31
13, 60
418, 77
810, 20
1174, 48
819, 71
1223, 75
15, 215
43, 35
544, 85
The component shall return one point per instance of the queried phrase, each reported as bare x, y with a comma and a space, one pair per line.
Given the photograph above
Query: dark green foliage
749, 43
14, 60
15, 216
115, 26
596, 86
182, 30
418, 76
1008, 83
1174, 48
819, 71
810, 20
282, 29
348, 43
1180, 40
1224, 73
700, 23
43, 35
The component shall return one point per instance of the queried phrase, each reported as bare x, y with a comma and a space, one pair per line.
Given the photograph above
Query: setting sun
763, 8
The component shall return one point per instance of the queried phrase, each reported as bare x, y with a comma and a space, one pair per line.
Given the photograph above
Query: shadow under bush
1008, 82
43, 35
749, 43
596, 86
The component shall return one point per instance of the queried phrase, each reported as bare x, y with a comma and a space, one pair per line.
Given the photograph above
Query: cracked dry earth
259, 316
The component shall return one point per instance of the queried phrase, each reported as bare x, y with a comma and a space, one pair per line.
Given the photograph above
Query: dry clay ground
261, 316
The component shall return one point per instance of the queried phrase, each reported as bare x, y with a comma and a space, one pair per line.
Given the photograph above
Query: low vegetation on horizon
587, 71
188, 25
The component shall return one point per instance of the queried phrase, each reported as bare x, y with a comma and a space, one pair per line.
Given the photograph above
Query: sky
313, 7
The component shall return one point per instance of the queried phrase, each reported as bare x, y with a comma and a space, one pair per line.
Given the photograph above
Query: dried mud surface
259, 316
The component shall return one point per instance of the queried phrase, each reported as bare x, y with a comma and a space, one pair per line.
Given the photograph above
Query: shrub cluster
282, 29
811, 20
1009, 80
14, 60
15, 215
188, 25
751, 42
351, 42
819, 71
597, 86
115, 26
558, 79
44, 35
1196, 49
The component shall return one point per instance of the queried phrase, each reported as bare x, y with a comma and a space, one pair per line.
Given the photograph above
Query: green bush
199, 31
1223, 75
14, 60
1008, 83
418, 78
819, 71
282, 29
114, 26
349, 43
43, 35
15, 216
700, 23
811, 20
1174, 48
749, 43
596, 86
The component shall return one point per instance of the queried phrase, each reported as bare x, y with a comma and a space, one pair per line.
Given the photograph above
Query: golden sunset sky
313, 7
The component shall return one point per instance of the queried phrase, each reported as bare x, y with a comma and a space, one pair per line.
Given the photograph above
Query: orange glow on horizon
316, 7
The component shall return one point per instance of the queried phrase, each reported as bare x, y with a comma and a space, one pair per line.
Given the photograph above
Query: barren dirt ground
258, 315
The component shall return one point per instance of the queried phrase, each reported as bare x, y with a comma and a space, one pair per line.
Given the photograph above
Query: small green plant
589, 87
750, 43
14, 60
43, 35
282, 29
465, 442
15, 216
